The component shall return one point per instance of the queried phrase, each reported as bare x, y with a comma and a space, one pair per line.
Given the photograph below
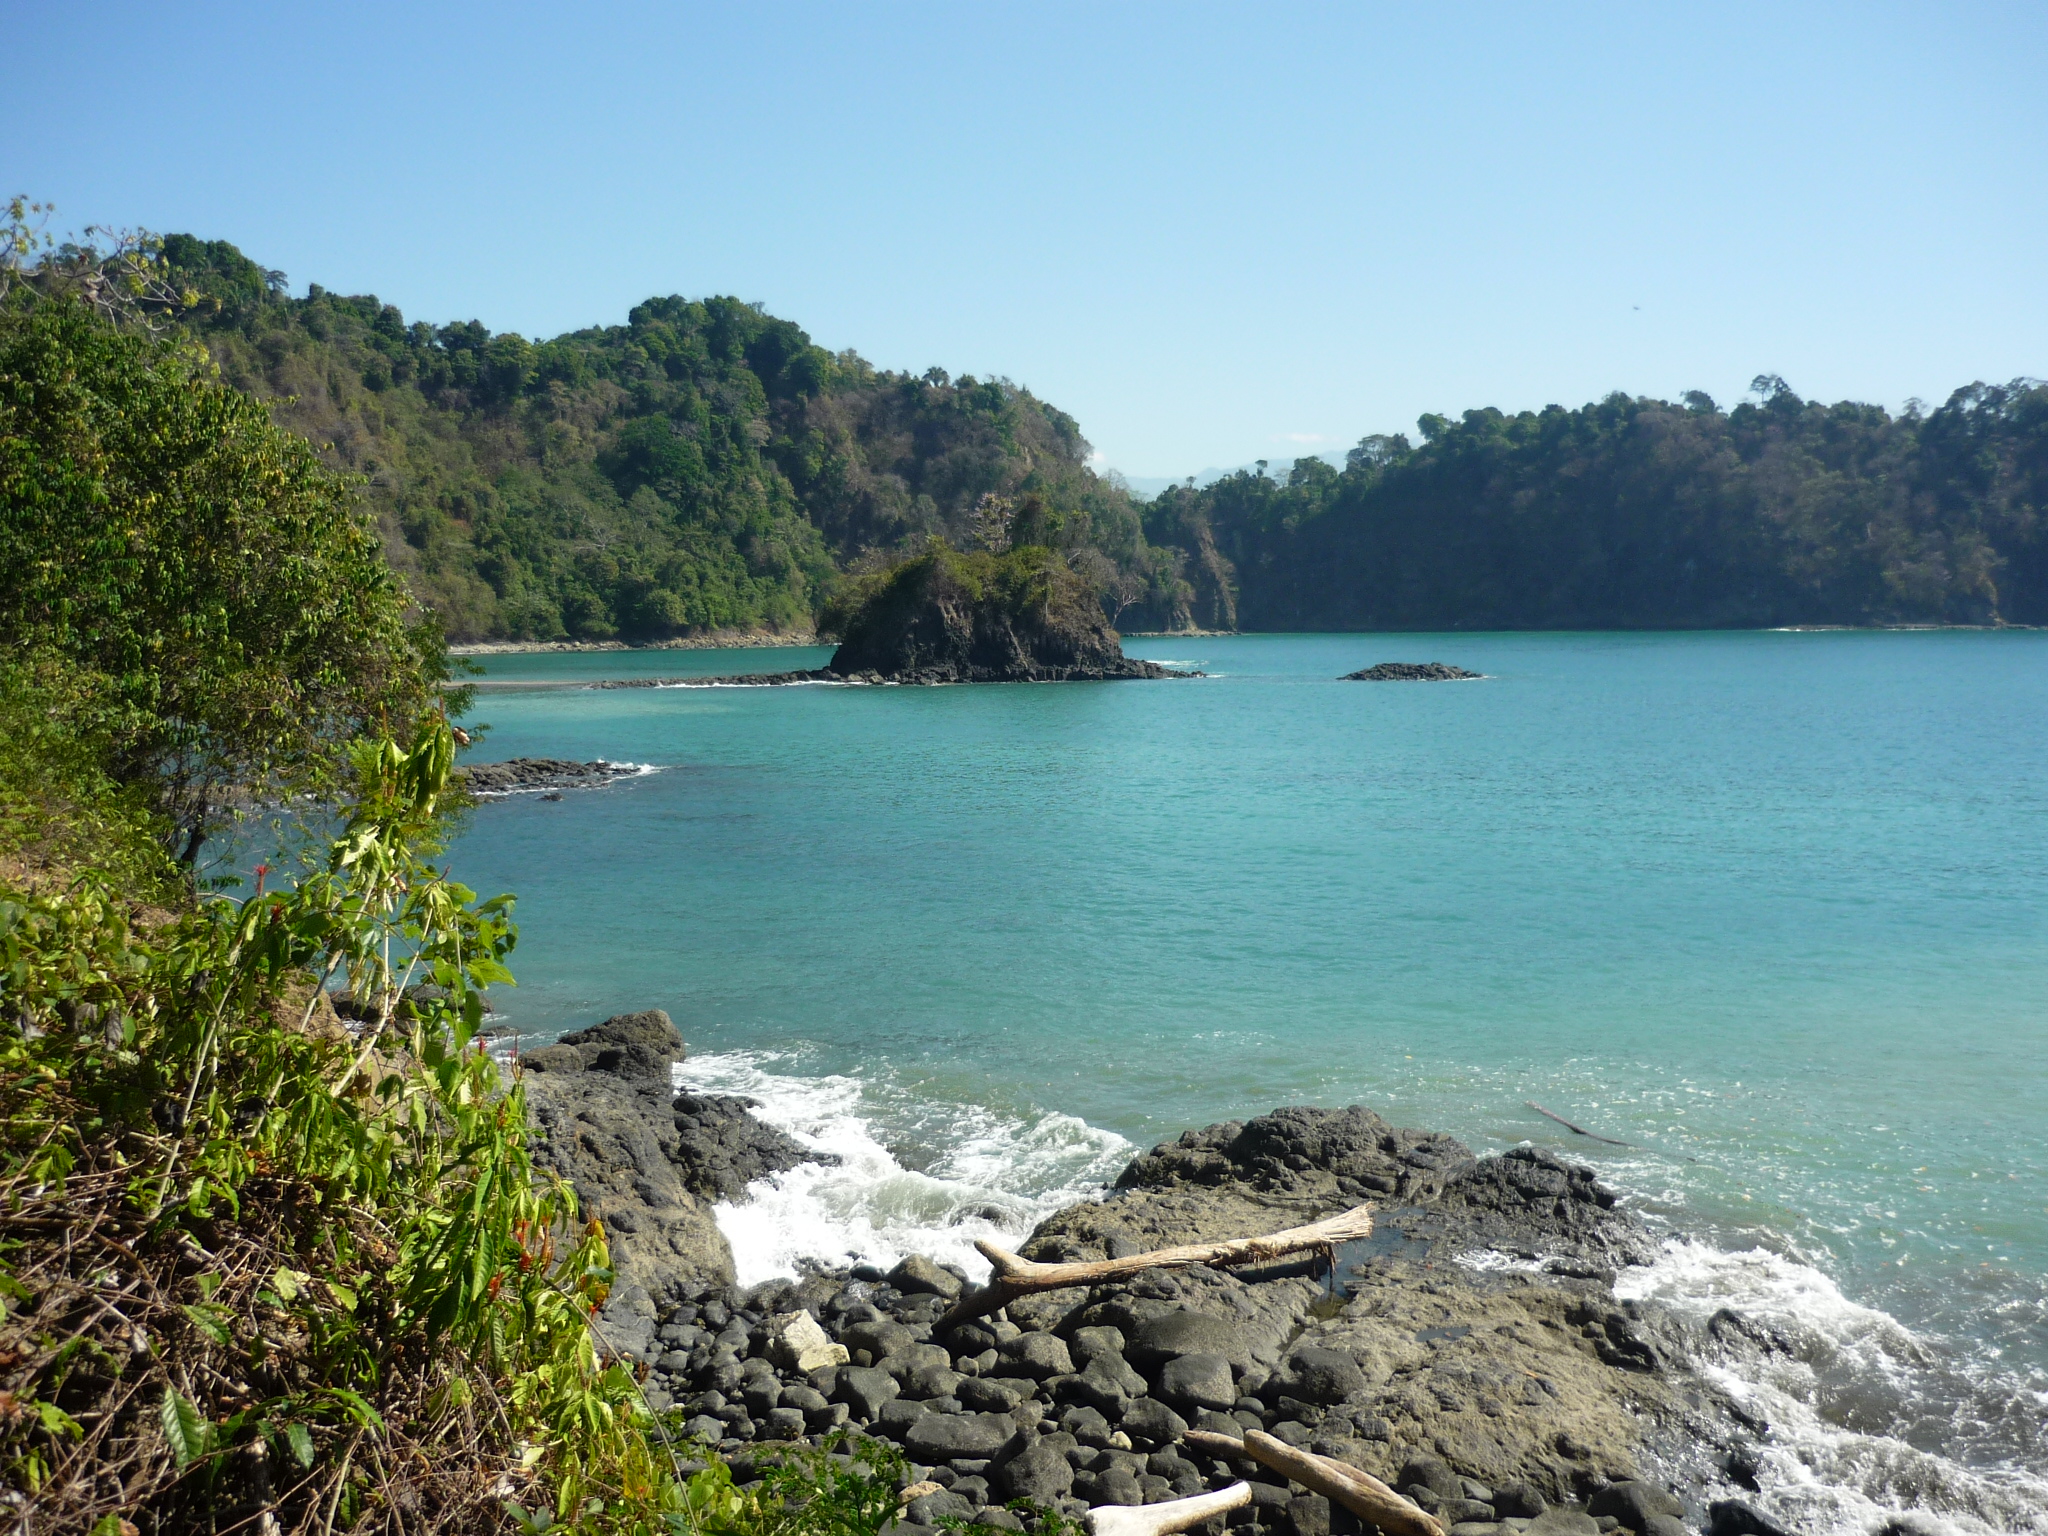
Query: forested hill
703, 466
1639, 513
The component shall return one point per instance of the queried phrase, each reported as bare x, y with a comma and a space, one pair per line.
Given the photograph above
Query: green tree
159, 531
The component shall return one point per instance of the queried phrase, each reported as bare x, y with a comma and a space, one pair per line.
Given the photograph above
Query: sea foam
1847, 1405
994, 1177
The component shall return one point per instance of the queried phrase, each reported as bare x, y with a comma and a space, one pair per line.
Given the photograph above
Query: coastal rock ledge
1472, 1352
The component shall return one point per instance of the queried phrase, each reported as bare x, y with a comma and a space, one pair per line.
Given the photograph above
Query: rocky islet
1515, 1396
1410, 672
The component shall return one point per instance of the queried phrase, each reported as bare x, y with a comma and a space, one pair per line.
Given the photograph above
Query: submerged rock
1410, 672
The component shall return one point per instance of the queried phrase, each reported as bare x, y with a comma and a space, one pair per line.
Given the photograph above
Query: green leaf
342, 1294
302, 1443
213, 1320
190, 1435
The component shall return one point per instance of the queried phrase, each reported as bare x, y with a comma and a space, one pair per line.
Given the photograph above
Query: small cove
1768, 906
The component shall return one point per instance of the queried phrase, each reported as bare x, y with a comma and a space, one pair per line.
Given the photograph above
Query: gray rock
1464, 1511
1105, 1384
880, 1338
1039, 1471
943, 1436
865, 1389
1732, 1517
610, 1138
1633, 1503
1197, 1381
1518, 1500
895, 1419
1113, 1485
1560, 1521
1323, 1375
935, 1507
1092, 1343
1433, 1473
987, 1394
918, 1275
932, 1381
1174, 1334
1087, 1426
1151, 1422
1308, 1514
787, 1423
552, 1058
1038, 1354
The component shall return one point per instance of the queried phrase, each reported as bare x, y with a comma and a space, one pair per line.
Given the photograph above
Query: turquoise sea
1773, 907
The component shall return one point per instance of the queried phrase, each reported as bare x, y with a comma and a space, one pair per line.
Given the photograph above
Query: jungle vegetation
1640, 513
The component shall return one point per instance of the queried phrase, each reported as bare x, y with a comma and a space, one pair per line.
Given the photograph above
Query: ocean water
1771, 907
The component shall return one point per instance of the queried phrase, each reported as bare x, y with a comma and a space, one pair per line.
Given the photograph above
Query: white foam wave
1841, 1406
995, 1178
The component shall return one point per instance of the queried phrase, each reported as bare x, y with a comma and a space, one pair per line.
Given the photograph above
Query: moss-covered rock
968, 617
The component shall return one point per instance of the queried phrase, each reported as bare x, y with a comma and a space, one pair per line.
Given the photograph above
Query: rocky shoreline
1471, 1352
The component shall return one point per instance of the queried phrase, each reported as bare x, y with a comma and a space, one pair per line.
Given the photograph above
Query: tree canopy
703, 466
220, 602
1641, 513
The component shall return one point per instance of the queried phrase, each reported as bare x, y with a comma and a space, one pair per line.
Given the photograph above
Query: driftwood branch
1360, 1492
1580, 1129
1012, 1277
1173, 1515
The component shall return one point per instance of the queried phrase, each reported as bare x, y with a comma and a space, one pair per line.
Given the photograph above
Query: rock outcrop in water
525, 774
1472, 1352
1410, 672
647, 1163
949, 617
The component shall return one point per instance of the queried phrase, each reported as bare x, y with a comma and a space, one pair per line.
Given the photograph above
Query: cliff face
949, 617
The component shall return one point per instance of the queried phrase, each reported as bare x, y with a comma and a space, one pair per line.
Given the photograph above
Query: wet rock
1732, 1517
721, 1148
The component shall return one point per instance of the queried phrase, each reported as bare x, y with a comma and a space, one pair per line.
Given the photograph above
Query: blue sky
1212, 233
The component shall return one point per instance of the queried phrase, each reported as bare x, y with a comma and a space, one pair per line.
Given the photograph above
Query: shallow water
1768, 906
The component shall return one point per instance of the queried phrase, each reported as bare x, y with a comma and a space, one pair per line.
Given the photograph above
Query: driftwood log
1360, 1492
1172, 1515
1012, 1277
